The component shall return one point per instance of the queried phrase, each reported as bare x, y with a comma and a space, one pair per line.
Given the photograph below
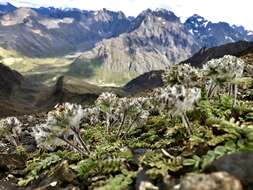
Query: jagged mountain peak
210, 34
197, 17
19, 16
107, 15
149, 18
22, 13
195, 23
162, 13
63, 13
6, 7
25, 12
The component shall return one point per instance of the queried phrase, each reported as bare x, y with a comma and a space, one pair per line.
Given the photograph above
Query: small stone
169, 182
11, 161
239, 165
144, 185
10, 176
214, 181
53, 184
30, 118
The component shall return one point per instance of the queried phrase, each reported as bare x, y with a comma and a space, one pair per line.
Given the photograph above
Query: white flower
91, 115
123, 113
77, 116
62, 124
106, 99
66, 115
176, 99
12, 123
224, 69
40, 134
11, 129
45, 138
182, 74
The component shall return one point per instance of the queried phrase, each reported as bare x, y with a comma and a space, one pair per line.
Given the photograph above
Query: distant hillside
38, 35
239, 49
9, 80
105, 47
19, 96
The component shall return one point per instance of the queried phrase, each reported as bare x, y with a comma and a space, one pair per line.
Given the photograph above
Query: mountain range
107, 46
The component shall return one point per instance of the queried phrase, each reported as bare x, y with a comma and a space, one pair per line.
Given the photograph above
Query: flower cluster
121, 114
91, 116
62, 127
183, 74
176, 100
10, 129
224, 69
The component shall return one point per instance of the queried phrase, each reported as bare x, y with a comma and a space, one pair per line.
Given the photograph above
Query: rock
239, 165
7, 185
11, 161
28, 142
169, 182
214, 181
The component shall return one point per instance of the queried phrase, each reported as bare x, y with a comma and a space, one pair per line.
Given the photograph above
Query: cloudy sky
233, 11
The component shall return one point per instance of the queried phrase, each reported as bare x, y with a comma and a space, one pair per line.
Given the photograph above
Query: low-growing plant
226, 70
182, 74
37, 166
62, 128
10, 129
176, 100
96, 140
122, 114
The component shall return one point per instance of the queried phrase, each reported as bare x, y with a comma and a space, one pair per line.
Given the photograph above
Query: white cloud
232, 11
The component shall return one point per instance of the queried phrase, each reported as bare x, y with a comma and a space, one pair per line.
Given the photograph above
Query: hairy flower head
224, 69
176, 99
182, 74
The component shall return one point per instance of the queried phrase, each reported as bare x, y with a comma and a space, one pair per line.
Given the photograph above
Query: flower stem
186, 123
211, 89
80, 140
235, 90
131, 124
73, 146
121, 125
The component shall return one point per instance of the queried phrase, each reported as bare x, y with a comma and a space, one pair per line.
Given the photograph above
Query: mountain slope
32, 34
9, 80
239, 49
20, 96
156, 39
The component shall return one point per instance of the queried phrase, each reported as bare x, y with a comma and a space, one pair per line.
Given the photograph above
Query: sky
237, 12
